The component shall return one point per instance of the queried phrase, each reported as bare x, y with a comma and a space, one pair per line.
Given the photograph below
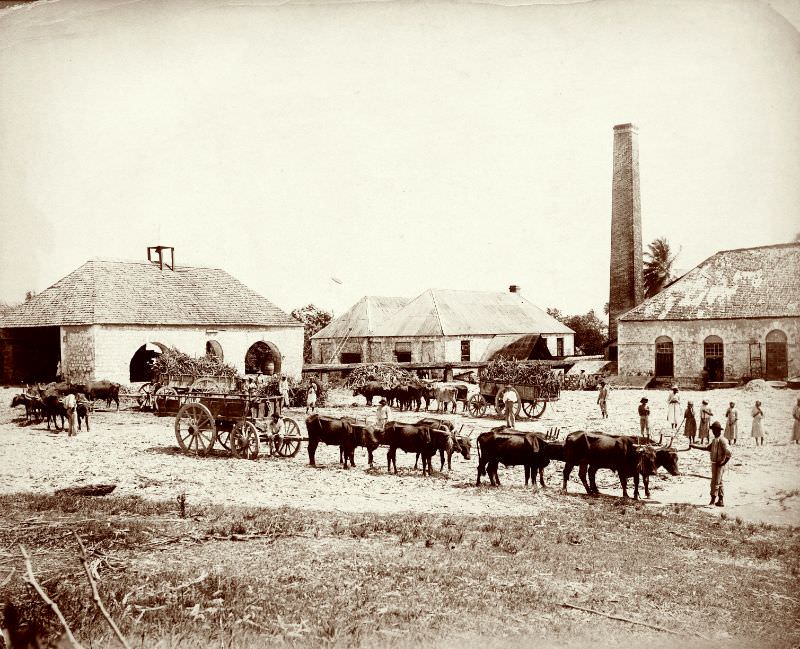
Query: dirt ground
138, 452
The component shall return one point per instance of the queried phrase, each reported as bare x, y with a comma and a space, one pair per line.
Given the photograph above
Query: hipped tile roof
761, 282
121, 292
363, 318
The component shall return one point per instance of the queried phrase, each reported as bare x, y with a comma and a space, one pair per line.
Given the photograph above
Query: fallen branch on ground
88, 490
96, 595
31, 579
683, 536
630, 621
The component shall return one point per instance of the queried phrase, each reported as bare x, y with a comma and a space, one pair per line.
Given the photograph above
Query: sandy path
138, 452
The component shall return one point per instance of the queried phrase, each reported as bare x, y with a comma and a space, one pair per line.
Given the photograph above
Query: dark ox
365, 436
506, 446
414, 439
34, 407
553, 449
82, 412
54, 407
600, 451
666, 457
102, 390
369, 390
457, 444
331, 431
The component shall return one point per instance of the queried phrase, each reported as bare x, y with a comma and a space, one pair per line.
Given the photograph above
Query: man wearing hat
644, 417
510, 405
720, 454
602, 399
382, 414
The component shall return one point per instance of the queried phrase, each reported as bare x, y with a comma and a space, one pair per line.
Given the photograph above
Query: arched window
714, 355
777, 358
141, 365
262, 357
213, 348
665, 365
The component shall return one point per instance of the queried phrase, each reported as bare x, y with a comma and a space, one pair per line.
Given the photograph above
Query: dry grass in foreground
242, 577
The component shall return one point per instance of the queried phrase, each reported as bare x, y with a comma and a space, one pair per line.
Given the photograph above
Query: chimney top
514, 288
156, 255
626, 127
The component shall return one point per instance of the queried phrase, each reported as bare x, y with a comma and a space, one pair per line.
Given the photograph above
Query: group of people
697, 424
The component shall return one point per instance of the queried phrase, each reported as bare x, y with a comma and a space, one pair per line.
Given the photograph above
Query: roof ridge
436, 310
769, 245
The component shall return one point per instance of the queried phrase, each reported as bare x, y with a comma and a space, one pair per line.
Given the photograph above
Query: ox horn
671, 439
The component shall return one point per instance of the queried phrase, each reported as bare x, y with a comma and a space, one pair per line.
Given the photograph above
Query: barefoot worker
720, 454
673, 409
757, 430
602, 399
510, 405
691, 422
644, 417
796, 429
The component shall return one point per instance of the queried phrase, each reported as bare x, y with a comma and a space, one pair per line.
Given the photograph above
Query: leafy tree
590, 331
658, 262
314, 319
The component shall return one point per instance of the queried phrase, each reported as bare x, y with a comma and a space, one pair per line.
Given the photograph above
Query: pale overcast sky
395, 146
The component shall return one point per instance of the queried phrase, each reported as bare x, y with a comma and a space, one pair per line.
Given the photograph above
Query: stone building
107, 319
442, 326
737, 315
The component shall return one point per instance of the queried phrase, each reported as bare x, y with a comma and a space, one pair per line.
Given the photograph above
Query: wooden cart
532, 399
170, 385
203, 421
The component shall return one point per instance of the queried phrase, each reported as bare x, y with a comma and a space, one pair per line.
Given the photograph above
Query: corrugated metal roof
518, 347
122, 292
442, 312
759, 282
363, 317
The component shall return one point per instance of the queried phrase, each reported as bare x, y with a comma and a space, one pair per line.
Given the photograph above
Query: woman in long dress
705, 421
757, 431
673, 409
690, 430
731, 423
796, 429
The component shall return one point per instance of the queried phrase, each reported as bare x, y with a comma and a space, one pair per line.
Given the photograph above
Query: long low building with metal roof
442, 326
108, 319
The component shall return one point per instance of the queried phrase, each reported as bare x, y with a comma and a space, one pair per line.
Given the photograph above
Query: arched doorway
141, 362
665, 365
264, 357
714, 354
214, 349
777, 363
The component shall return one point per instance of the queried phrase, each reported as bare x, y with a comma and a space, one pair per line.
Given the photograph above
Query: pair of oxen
425, 438
628, 456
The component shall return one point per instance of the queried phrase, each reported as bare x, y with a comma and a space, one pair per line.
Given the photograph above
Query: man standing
510, 405
602, 398
70, 403
382, 414
720, 454
644, 417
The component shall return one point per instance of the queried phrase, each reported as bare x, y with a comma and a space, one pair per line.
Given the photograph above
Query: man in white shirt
70, 403
510, 404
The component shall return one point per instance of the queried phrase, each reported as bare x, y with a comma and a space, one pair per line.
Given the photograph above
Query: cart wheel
195, 429
164, 393
204, 384
244, 441
476, 405
224, 438
534, 409
500, 406
290, 445
144, 395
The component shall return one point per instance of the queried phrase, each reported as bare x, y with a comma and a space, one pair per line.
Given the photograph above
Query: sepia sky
394, 146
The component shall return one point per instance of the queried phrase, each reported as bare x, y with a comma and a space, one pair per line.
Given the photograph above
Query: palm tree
658, 262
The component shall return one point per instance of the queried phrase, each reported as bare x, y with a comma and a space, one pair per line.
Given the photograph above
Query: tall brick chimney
626, 282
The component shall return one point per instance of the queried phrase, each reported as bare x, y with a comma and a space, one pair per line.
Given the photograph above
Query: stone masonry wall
637, 344
78, 353
115, 345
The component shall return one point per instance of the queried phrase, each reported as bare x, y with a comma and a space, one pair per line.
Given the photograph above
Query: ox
506, 446
553, 449
366, 436
33, 406
332, 431
666, 457
457, 443
599, 451
413, 439
54, 407
444, 396
369, 390
82, 412
95, 390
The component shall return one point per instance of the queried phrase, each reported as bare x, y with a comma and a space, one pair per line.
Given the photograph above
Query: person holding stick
720, 455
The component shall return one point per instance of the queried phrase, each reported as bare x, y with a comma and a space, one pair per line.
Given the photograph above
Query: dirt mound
757, 385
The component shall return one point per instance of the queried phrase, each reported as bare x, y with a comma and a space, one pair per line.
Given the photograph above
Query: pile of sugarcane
505, 370
173, 361
387, 374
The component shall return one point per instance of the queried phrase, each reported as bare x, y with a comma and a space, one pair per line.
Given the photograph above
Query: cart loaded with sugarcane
534, 383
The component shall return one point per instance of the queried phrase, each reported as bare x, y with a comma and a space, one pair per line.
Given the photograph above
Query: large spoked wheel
534, 409
145, 395
224, 438
243, 441
195, 429
205, 384
476, 405
289, 446
162, 395
500, 406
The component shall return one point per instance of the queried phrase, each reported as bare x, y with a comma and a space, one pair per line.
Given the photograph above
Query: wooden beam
438, 365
